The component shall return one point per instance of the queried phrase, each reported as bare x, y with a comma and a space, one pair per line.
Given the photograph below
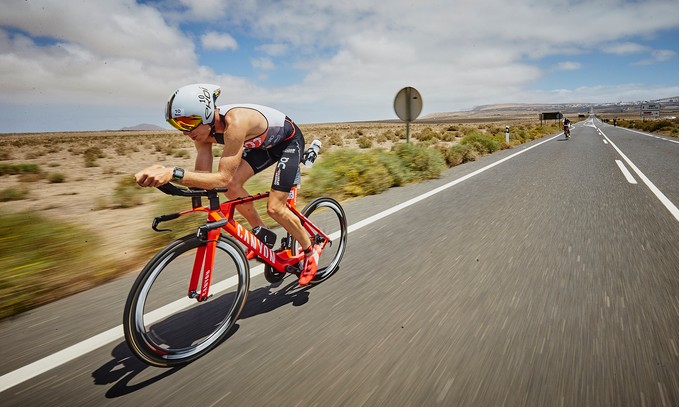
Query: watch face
178, 174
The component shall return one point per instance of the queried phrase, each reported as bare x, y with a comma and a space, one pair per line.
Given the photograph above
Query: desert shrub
56, 178
127, 193
63, 264
421, 161
458, 154
34, 154
30, 177
654, 126
15, 169
348, 173
123, 149
364, 143
481, 143
447, 136
5, 154
182, 153
427, 135
520, 135
91, 155
335, 139
399, 174
13, 194
388, 135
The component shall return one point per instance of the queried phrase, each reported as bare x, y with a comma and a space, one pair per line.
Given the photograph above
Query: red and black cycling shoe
310, 265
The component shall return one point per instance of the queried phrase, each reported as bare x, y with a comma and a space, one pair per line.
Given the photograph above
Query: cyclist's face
199, 134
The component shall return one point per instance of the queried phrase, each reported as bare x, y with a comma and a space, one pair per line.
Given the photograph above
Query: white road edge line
662, 198
650, 135
54, 360
624, 170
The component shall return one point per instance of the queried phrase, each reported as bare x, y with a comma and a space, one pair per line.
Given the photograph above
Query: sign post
507, 134
650, 110
407, 106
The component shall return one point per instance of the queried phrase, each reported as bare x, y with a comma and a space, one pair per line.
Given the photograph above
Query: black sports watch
178, 174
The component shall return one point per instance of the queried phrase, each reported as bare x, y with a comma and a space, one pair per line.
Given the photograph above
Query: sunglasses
185, 123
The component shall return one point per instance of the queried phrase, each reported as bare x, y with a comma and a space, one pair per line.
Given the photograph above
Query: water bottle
312, 153
265, 235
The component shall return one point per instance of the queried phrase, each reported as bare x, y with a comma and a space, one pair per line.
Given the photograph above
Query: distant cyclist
567, 124
253, 138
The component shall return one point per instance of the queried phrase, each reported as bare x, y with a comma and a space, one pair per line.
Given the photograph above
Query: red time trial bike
170, 320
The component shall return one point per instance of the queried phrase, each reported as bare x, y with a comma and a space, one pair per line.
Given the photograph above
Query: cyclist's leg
288, 155
277, 209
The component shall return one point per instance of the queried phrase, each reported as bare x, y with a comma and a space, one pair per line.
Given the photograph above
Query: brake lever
163, 218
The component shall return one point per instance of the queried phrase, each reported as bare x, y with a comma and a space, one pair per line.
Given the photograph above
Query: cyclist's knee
276, 206
235, 186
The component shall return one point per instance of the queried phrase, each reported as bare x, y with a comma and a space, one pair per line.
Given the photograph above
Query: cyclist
253, 138
567, 123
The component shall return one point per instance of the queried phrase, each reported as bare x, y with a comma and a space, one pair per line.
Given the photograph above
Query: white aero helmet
192, 105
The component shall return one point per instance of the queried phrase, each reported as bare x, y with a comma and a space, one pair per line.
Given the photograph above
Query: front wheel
328, 215
162, 324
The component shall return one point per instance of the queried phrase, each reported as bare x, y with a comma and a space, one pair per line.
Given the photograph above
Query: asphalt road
540, 277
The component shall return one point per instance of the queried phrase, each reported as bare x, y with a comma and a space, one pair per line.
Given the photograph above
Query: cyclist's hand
154, 176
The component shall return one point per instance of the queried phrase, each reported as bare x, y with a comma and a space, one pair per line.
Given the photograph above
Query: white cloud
569, 66
218, 41
658, 56
273, 50
263, 63
625, 48
89, 53
205, 9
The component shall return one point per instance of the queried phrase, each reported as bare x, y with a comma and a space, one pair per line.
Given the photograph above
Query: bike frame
281, 261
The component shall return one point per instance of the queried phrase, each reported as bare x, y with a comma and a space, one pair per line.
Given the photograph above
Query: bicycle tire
162, 325
328, 215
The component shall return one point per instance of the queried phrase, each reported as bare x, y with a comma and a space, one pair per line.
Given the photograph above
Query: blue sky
89, 65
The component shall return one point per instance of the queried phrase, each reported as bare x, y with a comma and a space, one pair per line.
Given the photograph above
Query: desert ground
80, 172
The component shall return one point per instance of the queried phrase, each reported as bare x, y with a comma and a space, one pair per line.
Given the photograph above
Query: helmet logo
205, 98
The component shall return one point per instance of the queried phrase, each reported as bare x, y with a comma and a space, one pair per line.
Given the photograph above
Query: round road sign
408, 104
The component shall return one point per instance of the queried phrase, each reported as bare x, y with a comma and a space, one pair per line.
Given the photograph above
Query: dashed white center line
662, 198
627, 174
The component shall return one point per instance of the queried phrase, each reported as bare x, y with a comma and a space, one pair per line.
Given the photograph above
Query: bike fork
203, 267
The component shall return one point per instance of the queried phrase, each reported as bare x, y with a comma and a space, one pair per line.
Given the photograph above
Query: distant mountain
144, 127
669, 104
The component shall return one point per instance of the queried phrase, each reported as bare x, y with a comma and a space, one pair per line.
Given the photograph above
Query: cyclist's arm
204, 160
231, 157
230, 160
